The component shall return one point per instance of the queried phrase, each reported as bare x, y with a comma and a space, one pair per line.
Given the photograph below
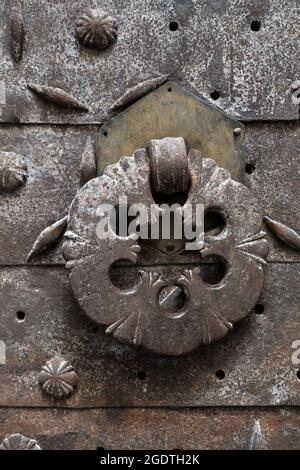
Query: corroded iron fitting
171, 311
168, 165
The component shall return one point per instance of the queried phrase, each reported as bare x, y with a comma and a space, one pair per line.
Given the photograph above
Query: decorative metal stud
96, 29
136, 92
57, 377
88, 169
295, 89
17, 30
257, 441
19, 442
13, 171
285, 233
47, 238
237, 131
57, 96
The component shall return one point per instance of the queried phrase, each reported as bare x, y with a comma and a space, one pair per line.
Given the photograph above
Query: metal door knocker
143, 313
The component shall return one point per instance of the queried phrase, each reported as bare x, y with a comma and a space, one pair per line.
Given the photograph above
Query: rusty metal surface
272, 152
283, 232
168, 165
258, 428
47, 238
255, 356
12, 171
19, 442
57, 377
171, 111
212, 49
243, 58
53, 156
134, 315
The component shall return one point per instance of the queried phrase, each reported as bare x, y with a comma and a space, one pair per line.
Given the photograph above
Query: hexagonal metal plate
171, 111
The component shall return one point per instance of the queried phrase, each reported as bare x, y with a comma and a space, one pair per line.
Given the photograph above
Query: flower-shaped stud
96, 29
19, 442
57, 377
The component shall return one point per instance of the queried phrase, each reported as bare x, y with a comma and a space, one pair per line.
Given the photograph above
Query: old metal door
82, 84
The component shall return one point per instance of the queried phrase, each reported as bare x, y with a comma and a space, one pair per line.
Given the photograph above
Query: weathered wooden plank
256, 357
212, 47
139, 429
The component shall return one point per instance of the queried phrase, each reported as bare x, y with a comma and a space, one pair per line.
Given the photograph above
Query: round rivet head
19, 442
237, 131
58, 378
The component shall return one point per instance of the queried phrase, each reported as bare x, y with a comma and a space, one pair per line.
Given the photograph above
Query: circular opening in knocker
173, 26
172, 299
298, 374
214, 222
124, 275
213, 270
20, 316
255, 25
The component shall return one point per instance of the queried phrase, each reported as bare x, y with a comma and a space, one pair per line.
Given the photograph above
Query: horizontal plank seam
62, 266
158, 407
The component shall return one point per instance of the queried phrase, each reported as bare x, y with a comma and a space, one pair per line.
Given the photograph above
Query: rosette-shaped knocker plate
141, 314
